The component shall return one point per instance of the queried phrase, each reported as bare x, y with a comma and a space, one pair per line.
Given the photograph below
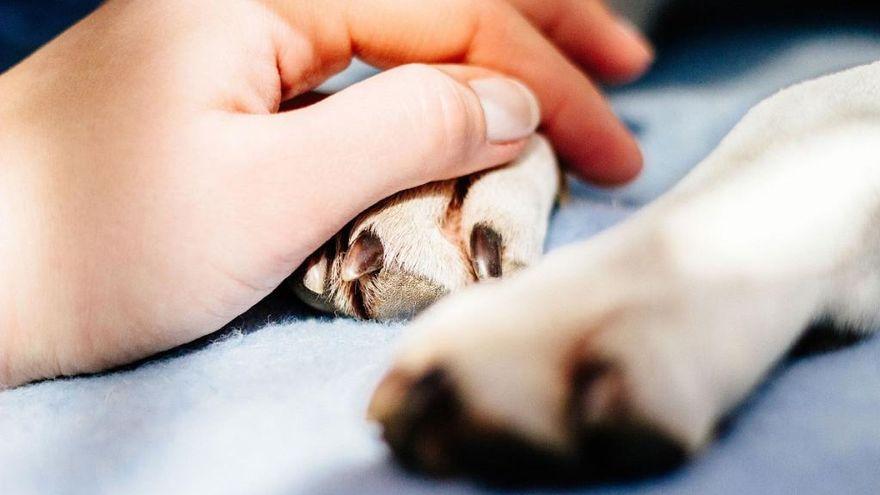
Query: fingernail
629, 30
510, 109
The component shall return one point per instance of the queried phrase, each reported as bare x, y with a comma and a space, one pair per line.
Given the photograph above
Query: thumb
418, 123
324, 164
402, 128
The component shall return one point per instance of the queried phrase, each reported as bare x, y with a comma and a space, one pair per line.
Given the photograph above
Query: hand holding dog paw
150, 190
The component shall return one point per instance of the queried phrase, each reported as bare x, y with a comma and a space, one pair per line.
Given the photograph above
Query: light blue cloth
280, 410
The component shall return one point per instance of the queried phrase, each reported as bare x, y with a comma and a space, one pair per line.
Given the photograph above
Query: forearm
8, 324
23, 241
9, 240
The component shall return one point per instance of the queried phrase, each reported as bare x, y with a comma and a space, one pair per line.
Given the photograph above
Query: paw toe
418, 415
429, 430
366, 255
612, 440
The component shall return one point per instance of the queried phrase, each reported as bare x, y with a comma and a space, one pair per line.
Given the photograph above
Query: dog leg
619, 356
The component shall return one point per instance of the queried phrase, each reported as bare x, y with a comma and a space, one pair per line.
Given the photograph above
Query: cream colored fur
699, 295
426, 238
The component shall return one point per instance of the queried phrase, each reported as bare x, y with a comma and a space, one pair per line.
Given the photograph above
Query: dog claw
316, 274
486, 252
599, 389
310, 282
366, 255
612, 439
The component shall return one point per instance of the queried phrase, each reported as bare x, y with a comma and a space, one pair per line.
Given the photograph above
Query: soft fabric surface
278, 408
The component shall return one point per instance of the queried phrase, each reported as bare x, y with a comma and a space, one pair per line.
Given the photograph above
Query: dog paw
434, 426
419, 245
583, 369
618, 357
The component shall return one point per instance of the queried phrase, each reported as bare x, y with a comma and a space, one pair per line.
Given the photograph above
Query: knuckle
447, 113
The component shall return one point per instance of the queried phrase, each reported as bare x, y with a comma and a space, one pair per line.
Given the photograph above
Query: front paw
595, 430
417, 246
549, 378
431, 427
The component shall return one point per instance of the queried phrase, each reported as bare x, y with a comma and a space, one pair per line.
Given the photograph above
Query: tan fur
425, 233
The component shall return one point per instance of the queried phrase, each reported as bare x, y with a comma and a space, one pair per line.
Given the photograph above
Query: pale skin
150, 191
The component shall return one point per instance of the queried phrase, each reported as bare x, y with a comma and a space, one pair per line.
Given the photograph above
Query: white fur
421, 238
410, 229
516, 201
696, 297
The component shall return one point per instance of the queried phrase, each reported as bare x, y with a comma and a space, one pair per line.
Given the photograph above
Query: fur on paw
569, 373
413, 248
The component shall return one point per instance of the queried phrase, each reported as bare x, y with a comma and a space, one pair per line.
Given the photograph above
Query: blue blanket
276, 404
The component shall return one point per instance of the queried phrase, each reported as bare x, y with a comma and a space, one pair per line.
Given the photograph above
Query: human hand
149, 193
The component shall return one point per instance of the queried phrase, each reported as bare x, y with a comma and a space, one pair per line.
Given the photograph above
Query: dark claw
426, 426
366, 255
614, 443
486, 245
309, 281
420, 422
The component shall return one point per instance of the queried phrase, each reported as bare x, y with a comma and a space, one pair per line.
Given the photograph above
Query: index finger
592, 35
489, 33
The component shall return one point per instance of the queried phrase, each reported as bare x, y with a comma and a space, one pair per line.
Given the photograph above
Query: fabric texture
275, 404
